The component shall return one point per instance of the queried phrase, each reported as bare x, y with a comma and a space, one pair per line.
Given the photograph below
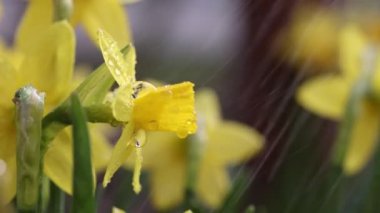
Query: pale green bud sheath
62, 9
29, 112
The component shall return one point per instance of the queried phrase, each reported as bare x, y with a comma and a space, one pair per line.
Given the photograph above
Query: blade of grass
83, 193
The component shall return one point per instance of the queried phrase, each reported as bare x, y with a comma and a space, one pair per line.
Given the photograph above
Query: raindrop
117, 71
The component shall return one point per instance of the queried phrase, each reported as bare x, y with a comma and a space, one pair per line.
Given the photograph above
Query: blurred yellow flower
141, 106
224, 144
327, 95
91, 14
311, 36
47, 65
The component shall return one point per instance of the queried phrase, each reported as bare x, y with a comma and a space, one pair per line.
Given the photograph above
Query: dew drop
140, 138
182, 133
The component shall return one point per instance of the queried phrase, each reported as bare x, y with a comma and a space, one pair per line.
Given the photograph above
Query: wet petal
168, 185
122, 150
137, 170
326, 96
231, 143
363, 139
122, 69
122, 105
213, 185
108, 15
173, 109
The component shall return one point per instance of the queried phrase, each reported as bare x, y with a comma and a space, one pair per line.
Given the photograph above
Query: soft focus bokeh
263, 59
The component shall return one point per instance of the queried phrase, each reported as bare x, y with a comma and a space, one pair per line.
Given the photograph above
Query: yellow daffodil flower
311, 37
224, 144
91, 14
141, 106
47, 65
328, 95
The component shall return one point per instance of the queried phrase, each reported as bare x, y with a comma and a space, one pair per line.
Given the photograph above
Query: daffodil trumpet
29, 111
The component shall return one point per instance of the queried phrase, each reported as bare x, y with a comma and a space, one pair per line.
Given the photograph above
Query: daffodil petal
363, 139
108, 15
58, 163
167, 145
8, 85
101, 149
37, 18
207, 105
168, 185
168, 108
304, 41
122, 105
212, 185
352, 43
137, 171
122, 150
122, 69
326, 96
49, 62
7, 180
231, 143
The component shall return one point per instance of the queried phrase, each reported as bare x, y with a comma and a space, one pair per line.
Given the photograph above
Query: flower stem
62, 9
57, 199
194, 152
29, 111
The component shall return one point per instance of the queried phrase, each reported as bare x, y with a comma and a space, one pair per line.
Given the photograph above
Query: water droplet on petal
182, 133
117, 71
140, 138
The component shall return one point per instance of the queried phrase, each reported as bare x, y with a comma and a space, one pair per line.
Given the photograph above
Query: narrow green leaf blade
83, 196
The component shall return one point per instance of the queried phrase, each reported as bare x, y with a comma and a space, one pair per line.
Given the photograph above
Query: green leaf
94, 89
83, 187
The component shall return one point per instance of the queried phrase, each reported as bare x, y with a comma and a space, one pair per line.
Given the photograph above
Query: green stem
29, 111
57, 199
62, 9
194, 154
57, 120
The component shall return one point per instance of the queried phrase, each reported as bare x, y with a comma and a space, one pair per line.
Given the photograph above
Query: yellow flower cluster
44, 57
